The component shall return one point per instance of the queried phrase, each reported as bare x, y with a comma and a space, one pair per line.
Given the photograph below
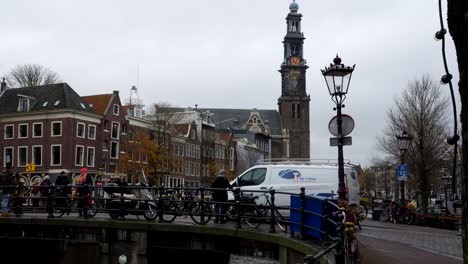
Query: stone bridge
102, 240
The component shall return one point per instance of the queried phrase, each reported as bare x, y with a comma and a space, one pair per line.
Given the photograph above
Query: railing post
160, 204
202, 204
237, 194
272, 209
325, 218
122, 201
49, 205
303, 214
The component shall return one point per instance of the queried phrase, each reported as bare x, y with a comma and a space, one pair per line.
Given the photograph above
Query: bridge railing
307, 216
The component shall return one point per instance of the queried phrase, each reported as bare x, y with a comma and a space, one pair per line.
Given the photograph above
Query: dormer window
116, 109
57, 102
23, 105
45, 104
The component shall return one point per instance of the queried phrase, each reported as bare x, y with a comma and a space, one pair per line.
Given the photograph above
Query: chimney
3, 85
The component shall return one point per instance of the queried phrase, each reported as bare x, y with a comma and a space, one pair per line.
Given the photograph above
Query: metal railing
253, 208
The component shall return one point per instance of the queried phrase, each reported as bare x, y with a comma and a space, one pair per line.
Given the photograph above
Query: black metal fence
256, 209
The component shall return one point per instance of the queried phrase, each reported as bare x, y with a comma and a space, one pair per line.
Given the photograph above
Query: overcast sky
226, 54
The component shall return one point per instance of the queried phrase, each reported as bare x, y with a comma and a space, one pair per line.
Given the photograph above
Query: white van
317, 179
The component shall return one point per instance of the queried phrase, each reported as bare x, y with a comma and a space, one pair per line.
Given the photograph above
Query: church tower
294, 101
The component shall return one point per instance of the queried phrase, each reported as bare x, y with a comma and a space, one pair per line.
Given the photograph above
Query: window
130, 135
90, 158
187, 168
80, 130
116, 109
8, 157
115, 130
92, 132
192, 169
83, 106
79, 152
56, 129
105, 145
23, 131
193, 134
187, 150
145, 158
114, 151
197, 169
23, 105
56, 155
106, 125
124, 129
253, 177
45, 104
37, 155
22, 156
231, 158
57, 102
9, 131
37, 130
193, 150
296, 111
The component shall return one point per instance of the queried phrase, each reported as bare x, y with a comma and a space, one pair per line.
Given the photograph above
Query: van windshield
253, 177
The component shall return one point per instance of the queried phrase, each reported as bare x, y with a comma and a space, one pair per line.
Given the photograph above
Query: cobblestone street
394, 243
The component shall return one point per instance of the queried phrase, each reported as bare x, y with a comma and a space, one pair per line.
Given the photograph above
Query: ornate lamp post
404, 141
338, 77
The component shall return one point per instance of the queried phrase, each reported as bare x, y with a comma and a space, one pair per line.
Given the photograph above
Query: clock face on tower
295, 60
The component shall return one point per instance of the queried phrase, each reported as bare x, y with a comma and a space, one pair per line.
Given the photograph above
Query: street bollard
238, 207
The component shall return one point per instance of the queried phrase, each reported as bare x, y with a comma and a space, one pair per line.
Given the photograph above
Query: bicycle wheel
196, 213
57, 209
169, 212
92, 209
384, 216
281, 222
363, 210
253, 217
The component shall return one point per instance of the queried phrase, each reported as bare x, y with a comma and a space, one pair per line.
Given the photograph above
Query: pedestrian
19, 194
220, 196
85, 181
35, 193
7, 183
45, 189
62, 183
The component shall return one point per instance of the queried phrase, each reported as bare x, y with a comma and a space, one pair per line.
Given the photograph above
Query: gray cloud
227, 53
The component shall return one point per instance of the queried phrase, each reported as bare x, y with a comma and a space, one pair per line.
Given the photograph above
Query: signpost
347, 125
30, 167
402, 172
347, 141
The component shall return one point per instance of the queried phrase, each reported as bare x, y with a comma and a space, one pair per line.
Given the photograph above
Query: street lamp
338, 77
404, 141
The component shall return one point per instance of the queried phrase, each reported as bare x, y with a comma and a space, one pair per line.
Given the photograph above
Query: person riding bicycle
62, 183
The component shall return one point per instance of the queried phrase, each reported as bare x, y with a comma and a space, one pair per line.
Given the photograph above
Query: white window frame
12, 132
118, 130
12, 156
77, 130
82, 155
118, 109
19, 130
52, 154
42, 129
88, 164
89, 126
116, 151
32, 155
52, 129
26, 161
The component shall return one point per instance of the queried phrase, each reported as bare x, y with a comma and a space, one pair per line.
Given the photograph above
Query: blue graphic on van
289, 174
295, 175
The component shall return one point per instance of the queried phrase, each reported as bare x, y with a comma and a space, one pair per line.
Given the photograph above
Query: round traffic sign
347, 125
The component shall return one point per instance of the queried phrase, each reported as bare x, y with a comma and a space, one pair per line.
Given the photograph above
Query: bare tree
421, 111
28, 75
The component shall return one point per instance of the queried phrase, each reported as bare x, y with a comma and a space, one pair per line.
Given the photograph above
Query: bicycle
248, 210
177, 203
280, 221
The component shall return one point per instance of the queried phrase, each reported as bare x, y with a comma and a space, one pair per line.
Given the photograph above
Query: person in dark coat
220, 196
84, 192
44, 189
62, 183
